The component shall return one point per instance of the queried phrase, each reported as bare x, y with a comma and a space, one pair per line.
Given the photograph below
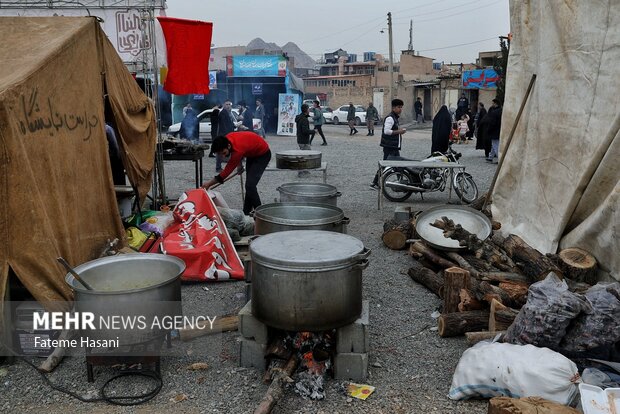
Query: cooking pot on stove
298, 159
274, 217
143, 285
309, 193
307, 280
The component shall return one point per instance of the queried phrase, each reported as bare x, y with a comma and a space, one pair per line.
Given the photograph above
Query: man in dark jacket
371, 116
303, 128
479, 130
462, 106
418, 110
493, 129
391, 136
214, 118
225, 125
351, 119
247, 117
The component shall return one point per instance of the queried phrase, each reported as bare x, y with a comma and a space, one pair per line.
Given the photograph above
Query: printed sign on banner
288, 108
212, 79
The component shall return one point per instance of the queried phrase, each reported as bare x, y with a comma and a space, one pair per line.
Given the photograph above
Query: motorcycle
400, 182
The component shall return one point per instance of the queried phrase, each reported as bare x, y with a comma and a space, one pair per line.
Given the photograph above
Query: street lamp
391, 57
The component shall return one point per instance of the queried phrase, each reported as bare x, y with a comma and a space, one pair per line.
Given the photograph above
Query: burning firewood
276, 389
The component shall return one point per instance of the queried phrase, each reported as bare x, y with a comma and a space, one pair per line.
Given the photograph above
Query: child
454, 133
463, 128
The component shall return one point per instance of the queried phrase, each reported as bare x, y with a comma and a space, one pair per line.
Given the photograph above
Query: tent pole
509, 139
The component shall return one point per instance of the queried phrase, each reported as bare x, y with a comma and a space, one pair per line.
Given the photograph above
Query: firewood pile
485, 284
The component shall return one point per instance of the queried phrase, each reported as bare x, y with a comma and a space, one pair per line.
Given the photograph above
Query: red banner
199, 237
188, 46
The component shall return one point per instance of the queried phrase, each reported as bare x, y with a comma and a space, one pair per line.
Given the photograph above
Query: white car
204, 121
327, 114
340, 115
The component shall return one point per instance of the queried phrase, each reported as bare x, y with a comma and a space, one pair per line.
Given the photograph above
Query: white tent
560, 183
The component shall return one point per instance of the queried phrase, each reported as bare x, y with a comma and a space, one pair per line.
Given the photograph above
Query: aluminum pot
131, 285
309, 192
307, 280
298, 159
275, 217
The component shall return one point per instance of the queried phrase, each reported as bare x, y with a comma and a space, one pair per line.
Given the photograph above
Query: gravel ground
411, 366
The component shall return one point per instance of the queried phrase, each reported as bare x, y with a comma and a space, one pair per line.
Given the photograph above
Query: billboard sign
480, 79
253, 66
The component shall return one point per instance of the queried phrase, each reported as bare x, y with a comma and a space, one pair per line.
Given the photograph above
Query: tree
500, 64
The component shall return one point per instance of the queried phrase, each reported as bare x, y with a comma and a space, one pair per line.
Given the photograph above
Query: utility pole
410, 35
391, 57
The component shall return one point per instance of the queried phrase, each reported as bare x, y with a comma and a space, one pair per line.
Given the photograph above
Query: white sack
560, 182
493, 369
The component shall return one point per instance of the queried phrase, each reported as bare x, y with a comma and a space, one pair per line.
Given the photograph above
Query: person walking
214, 118
478, 131
239, 145
418, 110
442, 127
494, 127
225, 125
351, 119
259, 114
247, 117
391, 136
303, 128
190, 128
371, 116
318, 119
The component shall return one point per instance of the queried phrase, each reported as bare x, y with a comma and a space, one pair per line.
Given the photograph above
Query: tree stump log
396, 234
503, 277
431, 255
455, 324
469, 302
578, 265
455, 279
533, 263
500, 316
517, 292
426, 277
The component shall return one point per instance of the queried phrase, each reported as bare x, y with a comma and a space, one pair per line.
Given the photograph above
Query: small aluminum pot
275, 217
307, 280
298, 159
309, 193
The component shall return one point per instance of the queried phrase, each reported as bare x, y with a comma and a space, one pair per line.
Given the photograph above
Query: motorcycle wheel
393, 194
465, 187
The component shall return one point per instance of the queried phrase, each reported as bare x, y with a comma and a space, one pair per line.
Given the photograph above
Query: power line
461, 44
437, 11
454, 14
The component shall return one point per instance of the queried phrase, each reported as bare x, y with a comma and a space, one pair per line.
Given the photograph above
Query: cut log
578, 265
221, 324
396, 234
277, 349
455, 324
57, 354
469, 302
533, 263
527, 405
460, 260
517, 292
274, 366
474, 337
500, 316
480, 265
432, 255
455, 279
503, 277
491, 292
426, 277
276, 389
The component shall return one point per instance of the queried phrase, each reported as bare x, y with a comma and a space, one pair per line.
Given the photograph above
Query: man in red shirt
241, 145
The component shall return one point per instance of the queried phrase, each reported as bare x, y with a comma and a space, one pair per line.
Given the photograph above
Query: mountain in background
302, 60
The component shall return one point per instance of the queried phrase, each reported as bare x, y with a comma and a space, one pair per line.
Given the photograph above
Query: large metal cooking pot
307, 280
271, 218
298, 159
309, 192
130, 285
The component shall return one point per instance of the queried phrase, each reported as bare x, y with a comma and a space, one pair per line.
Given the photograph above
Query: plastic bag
135, 237
236, 220
597, 377
157, 223
493, 369
598, 327
549, 310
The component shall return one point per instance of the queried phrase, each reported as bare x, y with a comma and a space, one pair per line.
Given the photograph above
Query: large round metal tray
471, 220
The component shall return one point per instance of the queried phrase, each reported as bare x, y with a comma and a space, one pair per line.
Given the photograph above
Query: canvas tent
560, 183
57, 74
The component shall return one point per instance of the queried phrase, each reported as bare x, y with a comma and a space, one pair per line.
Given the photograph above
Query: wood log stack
484, 285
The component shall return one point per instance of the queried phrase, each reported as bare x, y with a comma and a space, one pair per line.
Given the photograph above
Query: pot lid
299, 213
298, 153
308, 249
308, 189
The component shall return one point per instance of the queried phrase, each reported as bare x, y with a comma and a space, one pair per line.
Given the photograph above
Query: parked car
327, 114
340, 115
204, 120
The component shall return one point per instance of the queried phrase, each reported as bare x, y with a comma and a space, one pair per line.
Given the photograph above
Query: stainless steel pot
310, 193
307, 280
271, 218
298, 159
130, 285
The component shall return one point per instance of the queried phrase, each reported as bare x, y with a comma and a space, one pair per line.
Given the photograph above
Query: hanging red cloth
188, 46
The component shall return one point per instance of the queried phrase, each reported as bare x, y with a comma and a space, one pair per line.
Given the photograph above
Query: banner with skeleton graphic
199, 237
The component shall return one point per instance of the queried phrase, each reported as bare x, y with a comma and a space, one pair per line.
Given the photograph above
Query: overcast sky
446, 30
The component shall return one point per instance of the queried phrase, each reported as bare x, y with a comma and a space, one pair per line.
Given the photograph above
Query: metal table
196, 157
323, 168
383, 165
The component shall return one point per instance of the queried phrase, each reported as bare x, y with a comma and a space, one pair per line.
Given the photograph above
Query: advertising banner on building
480, 79
213, 79
288, 108
256, 66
